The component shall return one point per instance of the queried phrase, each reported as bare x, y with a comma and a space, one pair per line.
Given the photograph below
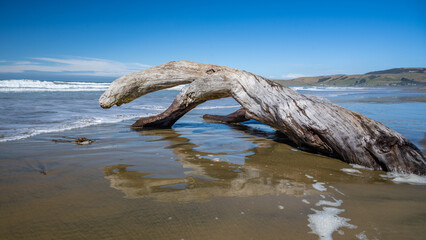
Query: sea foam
336, 203
217, 107
325, 222
351, 171
327, 88
91, 121
28, 85
360, 166
405, 178
319, 186
25, 85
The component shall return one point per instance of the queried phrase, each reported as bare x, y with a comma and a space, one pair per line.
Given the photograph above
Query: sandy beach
196, 181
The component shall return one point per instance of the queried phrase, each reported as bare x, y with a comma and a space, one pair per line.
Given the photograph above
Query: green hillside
391, 77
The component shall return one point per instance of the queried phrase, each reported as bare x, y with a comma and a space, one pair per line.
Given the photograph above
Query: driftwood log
309, 121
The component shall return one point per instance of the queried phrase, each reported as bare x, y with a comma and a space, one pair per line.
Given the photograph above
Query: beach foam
336, 203
360, 166
361, 236
325, 222
350, 170
405, 178
319, 186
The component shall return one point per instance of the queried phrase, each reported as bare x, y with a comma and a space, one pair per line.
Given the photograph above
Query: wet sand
196, 181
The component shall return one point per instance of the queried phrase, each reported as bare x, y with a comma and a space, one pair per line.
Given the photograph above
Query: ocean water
403, 110
32, 107
198, 180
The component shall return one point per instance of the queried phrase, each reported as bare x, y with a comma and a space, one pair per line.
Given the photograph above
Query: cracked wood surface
309, 121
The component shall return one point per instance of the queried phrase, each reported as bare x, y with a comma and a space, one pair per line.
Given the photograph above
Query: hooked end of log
131, 86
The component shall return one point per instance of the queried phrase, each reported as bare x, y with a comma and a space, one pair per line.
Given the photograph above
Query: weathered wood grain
307, 120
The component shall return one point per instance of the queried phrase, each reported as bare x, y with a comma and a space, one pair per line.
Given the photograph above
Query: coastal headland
395, 77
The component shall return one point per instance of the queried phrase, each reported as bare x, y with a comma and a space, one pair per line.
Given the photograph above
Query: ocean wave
162, 108
149, 107
176, 88
321, 88
218, 107
26, 85
90, 121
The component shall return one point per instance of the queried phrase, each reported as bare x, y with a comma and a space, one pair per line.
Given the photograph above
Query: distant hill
391, 77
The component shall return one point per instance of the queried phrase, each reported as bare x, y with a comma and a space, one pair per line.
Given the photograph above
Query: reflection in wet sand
209, 176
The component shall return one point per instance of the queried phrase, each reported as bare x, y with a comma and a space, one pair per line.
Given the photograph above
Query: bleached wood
307, 120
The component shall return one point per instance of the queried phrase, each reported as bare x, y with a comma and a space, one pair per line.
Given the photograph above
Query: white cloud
74, 66
25, 62
292, 75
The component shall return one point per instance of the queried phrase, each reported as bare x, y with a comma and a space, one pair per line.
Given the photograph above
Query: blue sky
276, 39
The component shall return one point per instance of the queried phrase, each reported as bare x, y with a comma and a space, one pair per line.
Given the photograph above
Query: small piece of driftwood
78, 141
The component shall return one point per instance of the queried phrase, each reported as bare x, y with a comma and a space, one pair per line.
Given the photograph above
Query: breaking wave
18, 134
320, 88
25, 85
218, 107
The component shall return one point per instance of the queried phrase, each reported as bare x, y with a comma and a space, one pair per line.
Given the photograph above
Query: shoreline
288, 83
